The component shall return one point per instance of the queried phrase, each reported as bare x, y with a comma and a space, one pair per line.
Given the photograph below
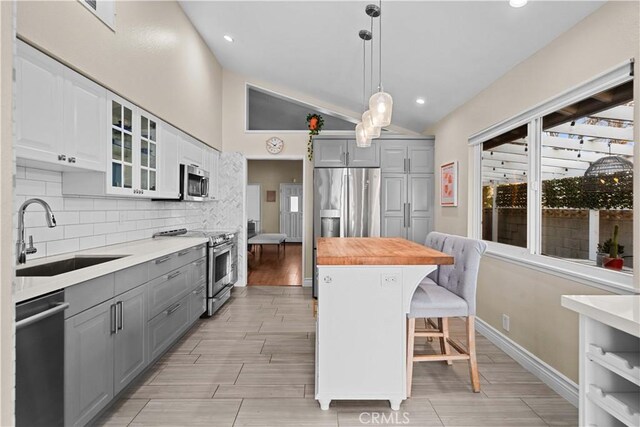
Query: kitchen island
365, 286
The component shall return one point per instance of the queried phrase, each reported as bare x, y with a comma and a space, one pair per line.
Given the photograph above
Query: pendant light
380, 103
362, 140
370, 128
606, 173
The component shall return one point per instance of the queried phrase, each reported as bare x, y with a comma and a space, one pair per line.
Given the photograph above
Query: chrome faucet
21, 247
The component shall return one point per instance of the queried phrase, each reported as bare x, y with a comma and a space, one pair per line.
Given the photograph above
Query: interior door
253, 204
291, 211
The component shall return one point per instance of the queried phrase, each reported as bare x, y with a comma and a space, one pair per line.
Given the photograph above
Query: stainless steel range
222, 261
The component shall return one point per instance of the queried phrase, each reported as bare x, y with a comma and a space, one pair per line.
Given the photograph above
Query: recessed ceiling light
228, 38
517, 3
420, 101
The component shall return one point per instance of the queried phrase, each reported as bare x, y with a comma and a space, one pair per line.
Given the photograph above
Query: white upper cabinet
191, 151
59, 114
169, 164
123, 153
148, 143
38, 109
211, 158
84, 121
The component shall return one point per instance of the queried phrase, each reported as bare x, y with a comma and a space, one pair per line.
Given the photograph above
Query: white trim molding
557, 381
307, 282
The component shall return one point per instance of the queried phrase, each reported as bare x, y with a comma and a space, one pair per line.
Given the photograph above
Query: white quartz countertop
134, 253
618, 311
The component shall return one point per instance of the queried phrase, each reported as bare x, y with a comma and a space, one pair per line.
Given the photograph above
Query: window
557, 180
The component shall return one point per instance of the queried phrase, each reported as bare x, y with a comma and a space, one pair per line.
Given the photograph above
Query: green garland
315, 122
573, 193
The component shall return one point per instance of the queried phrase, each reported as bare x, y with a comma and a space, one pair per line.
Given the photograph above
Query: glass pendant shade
361, 137
370, 130
381, 106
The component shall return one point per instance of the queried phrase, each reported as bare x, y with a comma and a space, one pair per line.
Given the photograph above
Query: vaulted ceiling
443, 51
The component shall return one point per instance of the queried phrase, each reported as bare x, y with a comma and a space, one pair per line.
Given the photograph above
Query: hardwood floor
267, 269
252, 364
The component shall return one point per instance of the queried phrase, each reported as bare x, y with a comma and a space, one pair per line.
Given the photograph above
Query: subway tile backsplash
85, 222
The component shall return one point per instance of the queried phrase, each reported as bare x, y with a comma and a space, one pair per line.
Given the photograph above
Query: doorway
275, 222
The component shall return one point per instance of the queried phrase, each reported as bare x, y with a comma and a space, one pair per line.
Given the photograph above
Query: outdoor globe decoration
381, 108
607, 173
361, 137
370, 130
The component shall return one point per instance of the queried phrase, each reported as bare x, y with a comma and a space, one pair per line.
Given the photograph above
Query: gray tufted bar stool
449, 291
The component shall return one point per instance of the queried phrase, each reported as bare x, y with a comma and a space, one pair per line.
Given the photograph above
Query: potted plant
613, 261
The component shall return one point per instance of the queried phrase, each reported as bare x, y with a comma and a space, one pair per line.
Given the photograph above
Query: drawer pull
199, 290
184, 252
161, 260
173, 275
199, 263
173, 309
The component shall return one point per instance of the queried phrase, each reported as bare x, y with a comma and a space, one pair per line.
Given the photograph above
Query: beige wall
600, 42
154, 58
6, 216
270, 174
252, 144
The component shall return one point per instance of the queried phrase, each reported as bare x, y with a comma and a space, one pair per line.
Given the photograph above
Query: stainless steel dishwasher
40, 361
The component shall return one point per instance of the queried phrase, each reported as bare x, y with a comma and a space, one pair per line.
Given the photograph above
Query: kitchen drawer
131, 277
165, 328
198, 273
165, 290
88, 294
222, 297
165, 264
197, 302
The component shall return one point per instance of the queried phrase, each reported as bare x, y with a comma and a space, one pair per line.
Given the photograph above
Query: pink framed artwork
449, 184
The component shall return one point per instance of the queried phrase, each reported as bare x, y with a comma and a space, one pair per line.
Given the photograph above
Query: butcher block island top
377, 251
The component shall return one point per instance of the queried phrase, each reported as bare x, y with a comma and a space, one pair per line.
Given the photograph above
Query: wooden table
365, 286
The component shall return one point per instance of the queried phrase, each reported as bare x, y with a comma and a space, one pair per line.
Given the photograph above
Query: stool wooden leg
471, 344
411, 330
443, 325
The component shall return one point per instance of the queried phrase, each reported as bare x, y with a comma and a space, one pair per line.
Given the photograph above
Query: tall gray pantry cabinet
407, 188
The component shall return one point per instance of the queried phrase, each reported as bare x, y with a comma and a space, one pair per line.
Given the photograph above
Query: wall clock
275, 145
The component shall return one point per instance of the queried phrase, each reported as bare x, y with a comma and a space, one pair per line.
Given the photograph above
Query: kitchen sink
64, 266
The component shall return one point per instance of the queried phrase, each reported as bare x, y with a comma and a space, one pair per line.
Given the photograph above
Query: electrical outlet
390, 279
505, 322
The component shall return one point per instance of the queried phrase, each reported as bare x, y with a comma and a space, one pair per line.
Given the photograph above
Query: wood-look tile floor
252, 364
269, 269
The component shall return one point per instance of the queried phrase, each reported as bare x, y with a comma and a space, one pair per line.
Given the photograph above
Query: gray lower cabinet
130, 350
167, 326
119, 323
393, 201
340, 153
88, 367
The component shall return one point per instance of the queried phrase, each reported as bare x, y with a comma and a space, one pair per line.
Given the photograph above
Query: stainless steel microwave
194, 183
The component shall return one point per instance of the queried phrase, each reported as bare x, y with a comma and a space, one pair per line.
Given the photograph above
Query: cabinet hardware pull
120, 315
184, 252
72, 159
199, 263
62, 157
172, 275
161, 260
347, 158
409, 165
173, 309
112, 309
200, 289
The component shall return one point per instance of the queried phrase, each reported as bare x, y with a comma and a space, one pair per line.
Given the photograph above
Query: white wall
155, 58
603, 40
6, 215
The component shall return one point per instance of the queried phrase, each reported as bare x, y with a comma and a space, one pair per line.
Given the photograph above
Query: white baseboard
307, 282
547, 374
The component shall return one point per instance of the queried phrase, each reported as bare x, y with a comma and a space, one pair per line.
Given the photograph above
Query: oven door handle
223, 248
204, 187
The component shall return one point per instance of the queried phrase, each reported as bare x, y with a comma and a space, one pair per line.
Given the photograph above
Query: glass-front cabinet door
148, 153
133, 154
120, 171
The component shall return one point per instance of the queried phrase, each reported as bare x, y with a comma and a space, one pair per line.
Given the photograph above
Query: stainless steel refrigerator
346, 203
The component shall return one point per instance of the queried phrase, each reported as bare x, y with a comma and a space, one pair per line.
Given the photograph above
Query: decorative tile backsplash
90, 222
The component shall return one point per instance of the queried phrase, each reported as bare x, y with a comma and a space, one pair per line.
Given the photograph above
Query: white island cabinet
365, 286
609, 358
